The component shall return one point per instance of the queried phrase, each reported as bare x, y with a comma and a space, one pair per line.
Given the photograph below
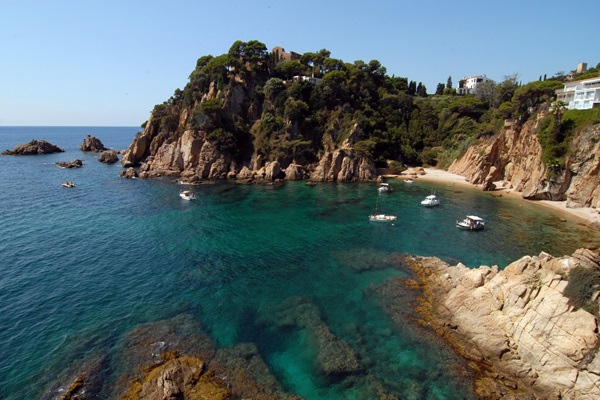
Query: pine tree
449, 83
440, 88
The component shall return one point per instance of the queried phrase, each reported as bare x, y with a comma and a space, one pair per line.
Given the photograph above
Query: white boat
68, 184
187, 195
382, 218
471, 223
376, 217
383, 187
431, 201
408, 181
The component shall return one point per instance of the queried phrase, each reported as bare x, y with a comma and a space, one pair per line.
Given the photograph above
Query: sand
589, 216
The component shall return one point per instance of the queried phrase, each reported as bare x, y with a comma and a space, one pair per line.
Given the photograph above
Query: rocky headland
521, 334
32, 148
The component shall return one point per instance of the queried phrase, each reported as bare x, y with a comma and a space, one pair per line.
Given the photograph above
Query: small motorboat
68, 184
408, 181
431, 201
383, 187
187, 195
471, 223
382, 218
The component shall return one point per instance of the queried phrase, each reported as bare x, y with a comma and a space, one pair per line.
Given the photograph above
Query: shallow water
81, 267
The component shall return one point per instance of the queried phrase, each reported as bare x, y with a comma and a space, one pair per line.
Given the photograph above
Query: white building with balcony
580, 95
468, 84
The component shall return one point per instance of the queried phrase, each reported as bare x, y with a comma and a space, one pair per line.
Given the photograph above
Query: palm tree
557, 108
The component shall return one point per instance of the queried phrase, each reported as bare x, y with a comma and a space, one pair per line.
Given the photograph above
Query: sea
82, 268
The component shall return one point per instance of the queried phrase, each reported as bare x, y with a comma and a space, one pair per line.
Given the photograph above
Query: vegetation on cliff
252, 102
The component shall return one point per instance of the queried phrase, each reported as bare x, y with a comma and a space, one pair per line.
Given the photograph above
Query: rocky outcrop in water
93, 144
515, 157
32, 148
109, 157
173, 359
70, 164
516, 325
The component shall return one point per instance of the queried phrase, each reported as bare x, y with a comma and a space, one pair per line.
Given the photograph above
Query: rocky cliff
185, 149
515, 158
516, 326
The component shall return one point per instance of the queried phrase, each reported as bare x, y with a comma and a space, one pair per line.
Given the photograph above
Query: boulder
273, 171
294, 172
92, 143
32, 148
245, 173
109, 157
129, 173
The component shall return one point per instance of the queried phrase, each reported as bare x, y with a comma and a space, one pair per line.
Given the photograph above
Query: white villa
469, 84
580, 95
304, 78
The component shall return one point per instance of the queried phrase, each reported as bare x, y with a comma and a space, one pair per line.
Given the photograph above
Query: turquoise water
81, 267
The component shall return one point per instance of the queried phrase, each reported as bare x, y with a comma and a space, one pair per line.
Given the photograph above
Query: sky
107, 63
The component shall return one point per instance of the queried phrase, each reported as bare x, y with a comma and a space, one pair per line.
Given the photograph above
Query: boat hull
382, 218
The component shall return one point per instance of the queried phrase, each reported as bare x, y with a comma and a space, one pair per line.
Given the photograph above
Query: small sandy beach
589, 216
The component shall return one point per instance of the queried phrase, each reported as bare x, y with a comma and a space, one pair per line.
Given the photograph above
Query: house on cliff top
580, 95
468, 84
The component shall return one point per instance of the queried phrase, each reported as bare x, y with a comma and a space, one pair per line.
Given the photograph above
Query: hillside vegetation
391, 119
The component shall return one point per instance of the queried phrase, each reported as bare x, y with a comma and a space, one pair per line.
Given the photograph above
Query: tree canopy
392, 119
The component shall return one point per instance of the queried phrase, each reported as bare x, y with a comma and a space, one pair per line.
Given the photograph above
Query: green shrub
582, 118
366, 147
581, 286
554, 139
224, 140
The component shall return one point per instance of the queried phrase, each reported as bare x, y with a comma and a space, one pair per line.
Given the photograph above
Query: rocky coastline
513, 160
193, 158
517, 329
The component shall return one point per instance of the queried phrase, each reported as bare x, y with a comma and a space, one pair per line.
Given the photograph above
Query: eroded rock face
32, 148
344, 166
92, 143
519, 320
515, 157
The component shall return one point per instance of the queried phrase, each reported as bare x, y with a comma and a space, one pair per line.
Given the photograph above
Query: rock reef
70, 164
32, 148
515, 326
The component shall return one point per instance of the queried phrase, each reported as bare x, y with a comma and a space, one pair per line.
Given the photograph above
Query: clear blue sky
104, 63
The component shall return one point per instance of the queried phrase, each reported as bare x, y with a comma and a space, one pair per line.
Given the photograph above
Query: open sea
81, 268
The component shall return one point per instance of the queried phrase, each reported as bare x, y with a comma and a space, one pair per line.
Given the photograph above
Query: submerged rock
175, 359
335, 358
84, 383
32, 148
